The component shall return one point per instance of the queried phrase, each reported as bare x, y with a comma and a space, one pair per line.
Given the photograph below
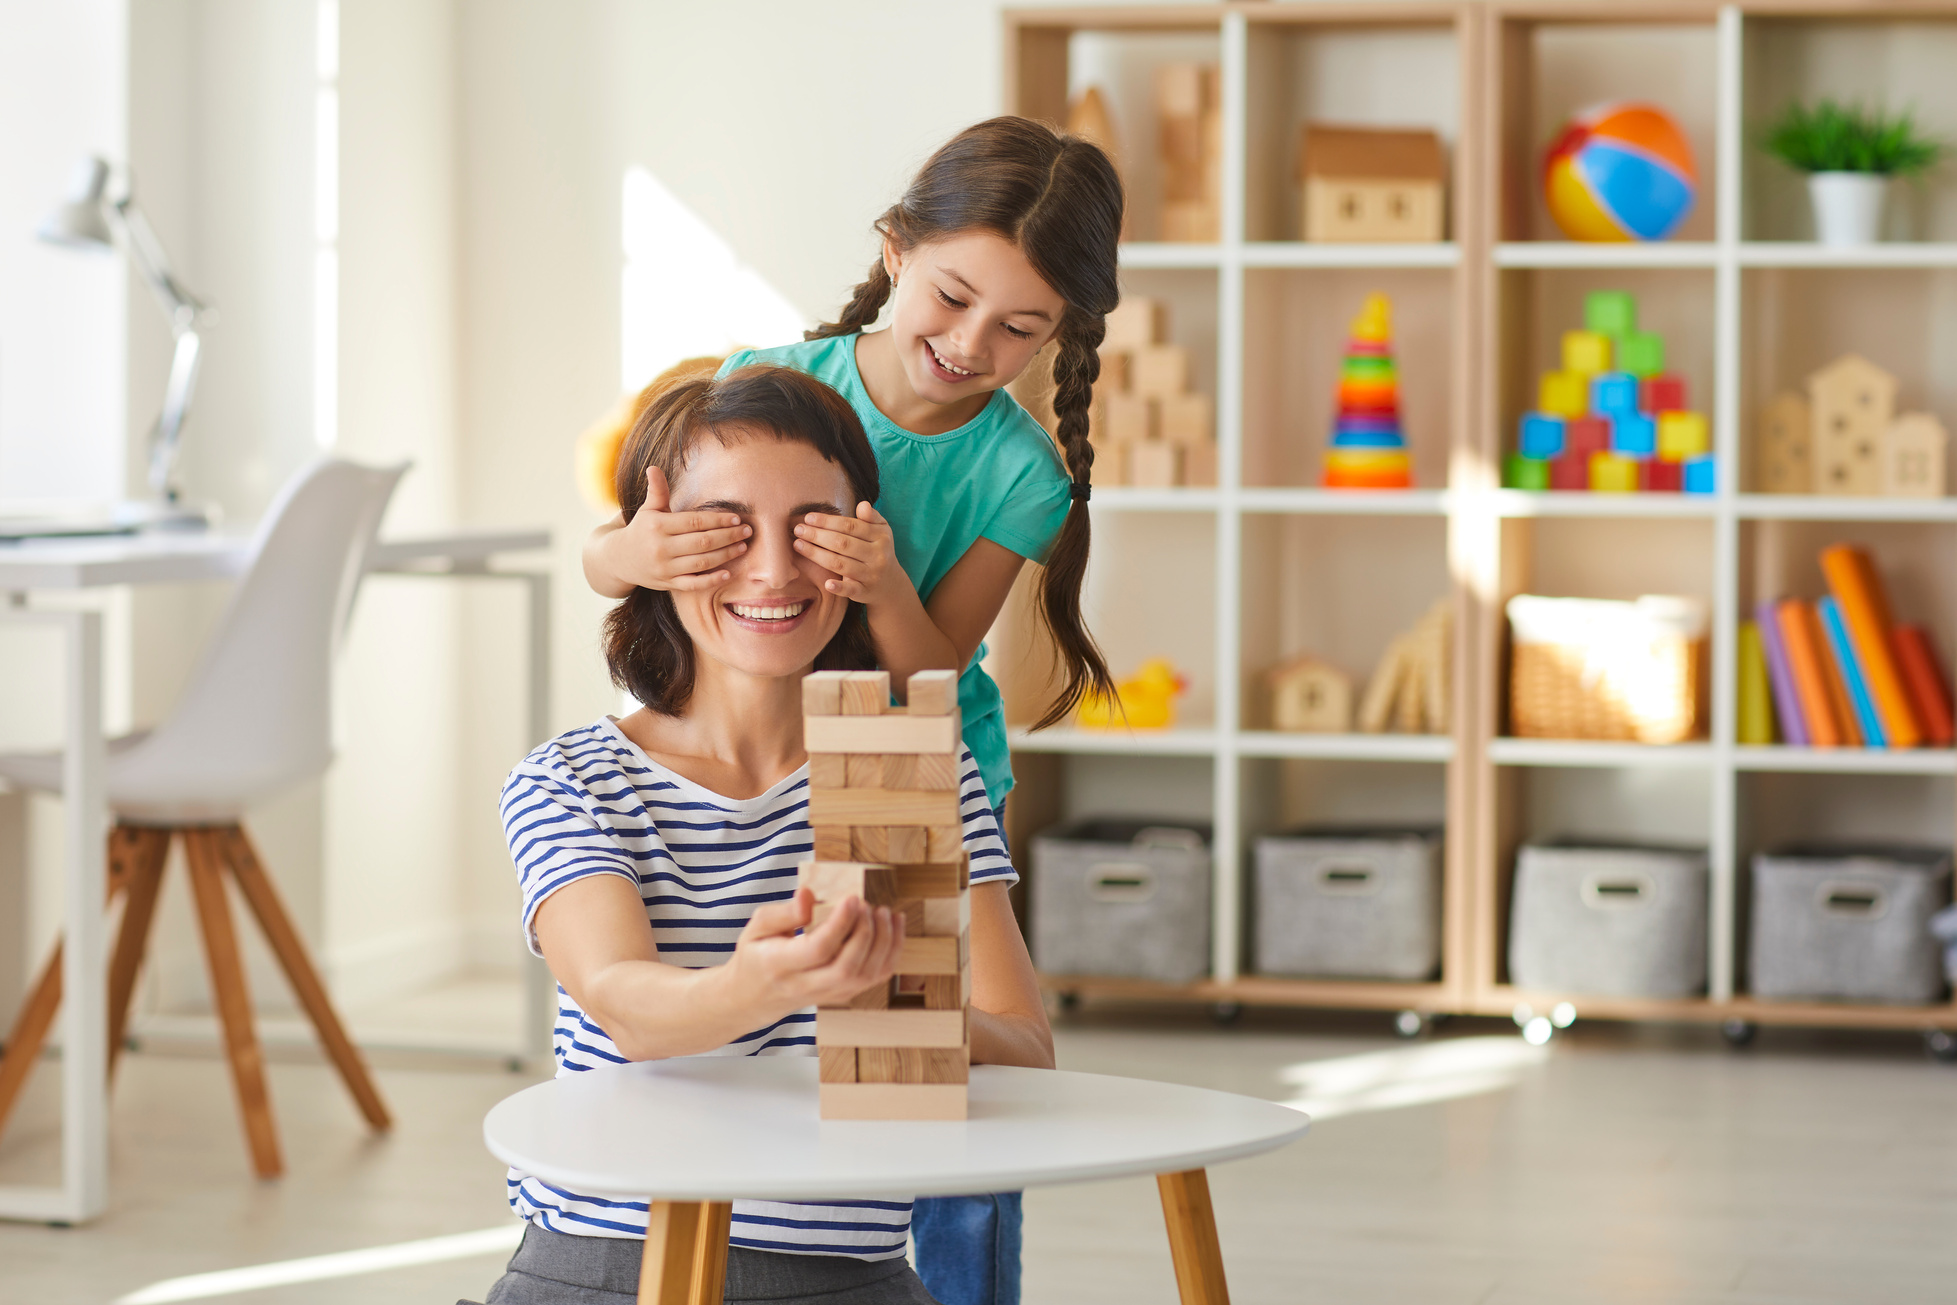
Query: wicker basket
1586, 668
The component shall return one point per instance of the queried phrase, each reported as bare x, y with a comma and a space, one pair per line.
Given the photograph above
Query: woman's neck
740, 734
890, 389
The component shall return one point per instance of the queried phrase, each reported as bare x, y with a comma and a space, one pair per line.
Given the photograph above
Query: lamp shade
79, 220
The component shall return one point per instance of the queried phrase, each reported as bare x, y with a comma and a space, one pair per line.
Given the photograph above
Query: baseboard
375, 969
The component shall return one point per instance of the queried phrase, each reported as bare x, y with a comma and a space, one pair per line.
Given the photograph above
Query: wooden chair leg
672, 1245
709, 1286
232, 998
140, 852
291, 951
1192, 1237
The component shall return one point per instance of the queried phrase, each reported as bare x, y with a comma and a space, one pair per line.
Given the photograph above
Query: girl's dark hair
649, 652
1058, 199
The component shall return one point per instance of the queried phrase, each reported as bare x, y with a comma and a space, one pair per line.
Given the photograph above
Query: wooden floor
1620, 1164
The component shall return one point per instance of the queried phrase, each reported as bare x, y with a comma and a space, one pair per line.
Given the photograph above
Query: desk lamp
91, 219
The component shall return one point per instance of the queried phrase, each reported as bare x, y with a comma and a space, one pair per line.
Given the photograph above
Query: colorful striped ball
1620, 172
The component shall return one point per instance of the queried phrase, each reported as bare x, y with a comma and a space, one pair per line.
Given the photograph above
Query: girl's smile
947, 371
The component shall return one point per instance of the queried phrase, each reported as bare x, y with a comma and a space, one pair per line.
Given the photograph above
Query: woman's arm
1008, 1018
599, 945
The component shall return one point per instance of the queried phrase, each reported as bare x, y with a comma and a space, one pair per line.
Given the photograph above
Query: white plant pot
1847, 206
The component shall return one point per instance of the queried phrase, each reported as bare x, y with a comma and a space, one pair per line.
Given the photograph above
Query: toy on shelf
1365, 185
1144, 701
1149, 429
1367, 449
1409, 690
1841, 671
1309, 696
1088, 118
1619, 172
884, 814
1189, 114
1612, 419
1845, 438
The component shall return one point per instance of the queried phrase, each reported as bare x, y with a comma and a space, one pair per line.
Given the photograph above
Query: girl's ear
893, 259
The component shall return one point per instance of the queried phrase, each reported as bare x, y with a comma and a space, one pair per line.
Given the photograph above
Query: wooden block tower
883, 804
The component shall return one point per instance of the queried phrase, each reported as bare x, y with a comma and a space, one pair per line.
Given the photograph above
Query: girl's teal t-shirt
997, 477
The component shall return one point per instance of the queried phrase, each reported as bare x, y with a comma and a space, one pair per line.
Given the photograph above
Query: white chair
255, 720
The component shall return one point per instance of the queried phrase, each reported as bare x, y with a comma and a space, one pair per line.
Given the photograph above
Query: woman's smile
774, 617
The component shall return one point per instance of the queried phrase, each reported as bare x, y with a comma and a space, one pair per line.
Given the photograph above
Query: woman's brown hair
648, 650
1058, 199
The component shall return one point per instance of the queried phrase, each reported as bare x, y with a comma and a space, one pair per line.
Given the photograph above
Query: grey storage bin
1615, 920
1351, 902
1839, 923
1126, 898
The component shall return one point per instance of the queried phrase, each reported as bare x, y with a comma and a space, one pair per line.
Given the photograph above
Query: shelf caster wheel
1738, 1033
1226, 1013
1942, 1046
1410, 1024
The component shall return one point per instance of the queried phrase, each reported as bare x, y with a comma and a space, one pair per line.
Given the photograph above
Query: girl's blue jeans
968, 1246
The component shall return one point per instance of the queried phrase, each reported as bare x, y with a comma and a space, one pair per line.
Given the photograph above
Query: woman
658, 852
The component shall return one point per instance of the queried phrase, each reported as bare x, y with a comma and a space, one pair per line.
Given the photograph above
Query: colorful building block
1613, 394
1663, 393
1542, 435
1520, 472
1586, 435
1612, 474
1563, 394
1656, 476
1683, 435
1586, 352
1700, 476
1610, 312
1641, 353
1634, 435
1570, 472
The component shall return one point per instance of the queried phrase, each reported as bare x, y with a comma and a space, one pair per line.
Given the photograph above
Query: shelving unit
1231, 580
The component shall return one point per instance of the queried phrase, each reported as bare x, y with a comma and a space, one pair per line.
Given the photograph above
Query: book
1854, 677
1755, 724
1807, 662
1929, 691
1780, 676
1864, 608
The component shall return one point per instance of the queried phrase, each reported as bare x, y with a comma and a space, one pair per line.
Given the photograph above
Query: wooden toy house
1309, 696
1367, 186
1786, 448
1851, 402
1913, 456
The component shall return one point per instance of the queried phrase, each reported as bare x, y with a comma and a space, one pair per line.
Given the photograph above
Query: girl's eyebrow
1023, 312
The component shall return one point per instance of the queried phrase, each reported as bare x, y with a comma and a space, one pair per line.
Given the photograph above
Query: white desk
91, 563
693, 1134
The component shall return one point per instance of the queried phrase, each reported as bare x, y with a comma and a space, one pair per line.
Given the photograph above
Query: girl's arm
662, 549
1008, 1018
909, 635
599, 944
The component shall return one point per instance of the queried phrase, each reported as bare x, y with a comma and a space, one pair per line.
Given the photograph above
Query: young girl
1005, 240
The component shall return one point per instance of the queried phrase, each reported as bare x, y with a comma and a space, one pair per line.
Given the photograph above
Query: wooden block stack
1189, 113
883, 805
1148, 427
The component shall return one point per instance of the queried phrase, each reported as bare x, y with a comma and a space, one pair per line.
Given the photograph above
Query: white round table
690, 1135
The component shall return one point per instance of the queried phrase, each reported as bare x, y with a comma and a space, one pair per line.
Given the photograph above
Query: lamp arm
146, 252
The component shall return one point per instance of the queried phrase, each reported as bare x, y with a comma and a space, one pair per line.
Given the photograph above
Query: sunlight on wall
1411, 1076
683, 292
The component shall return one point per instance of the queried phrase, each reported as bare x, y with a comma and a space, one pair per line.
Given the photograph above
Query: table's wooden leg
1192, 1237
709, 1285
672, 1245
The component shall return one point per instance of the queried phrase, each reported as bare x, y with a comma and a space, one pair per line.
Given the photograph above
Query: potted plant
1849, 154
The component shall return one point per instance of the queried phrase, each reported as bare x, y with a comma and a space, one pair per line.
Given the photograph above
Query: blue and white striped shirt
591, 803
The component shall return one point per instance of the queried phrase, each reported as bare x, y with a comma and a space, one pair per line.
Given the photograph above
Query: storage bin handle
1352, 879
1608, 891
1120, 881
1852, 898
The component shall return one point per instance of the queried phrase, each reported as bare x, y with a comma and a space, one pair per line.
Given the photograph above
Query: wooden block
1186, 419
893, 1101
948, 991
874, 997
893, 733
832, 843
866, 693
1154, 464
912, 1065
890, 1028
828, 769
1192, 221
946, 843
869, 842
832, 881
933, 693
905, 842
1199, 464
862, 770
948, 879
822, 693
1162, 371
882, 806
941, 917
1114, 369
913, 909
1129, 417
900, 770
838, 1064
933, 771
1136, 322
929, 956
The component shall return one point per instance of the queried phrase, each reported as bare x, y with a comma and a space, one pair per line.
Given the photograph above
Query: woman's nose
771, 555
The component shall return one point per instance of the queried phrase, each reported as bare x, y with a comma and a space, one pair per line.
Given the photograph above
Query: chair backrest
257, 715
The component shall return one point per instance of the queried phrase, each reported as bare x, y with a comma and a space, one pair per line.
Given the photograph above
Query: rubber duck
1144, 701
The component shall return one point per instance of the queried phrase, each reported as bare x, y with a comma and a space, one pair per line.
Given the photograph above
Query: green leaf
1830, 137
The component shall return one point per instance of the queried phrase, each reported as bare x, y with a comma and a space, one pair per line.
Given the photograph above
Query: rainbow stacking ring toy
1367, 450
1620, 172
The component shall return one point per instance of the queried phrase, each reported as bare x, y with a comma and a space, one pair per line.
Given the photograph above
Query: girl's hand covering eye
662, 549
861, 550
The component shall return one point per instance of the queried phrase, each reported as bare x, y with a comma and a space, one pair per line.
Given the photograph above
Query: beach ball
1619, 172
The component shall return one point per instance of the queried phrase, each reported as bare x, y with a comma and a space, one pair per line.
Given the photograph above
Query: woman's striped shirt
591, 803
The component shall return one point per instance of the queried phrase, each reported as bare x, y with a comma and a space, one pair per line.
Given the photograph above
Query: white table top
717, 1128
171, 557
